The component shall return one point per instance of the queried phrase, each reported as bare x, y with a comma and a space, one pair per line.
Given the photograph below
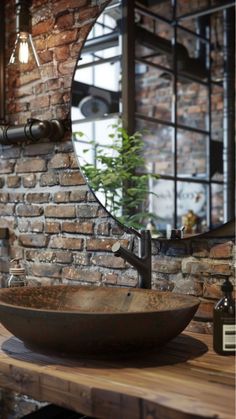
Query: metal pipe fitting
33, 130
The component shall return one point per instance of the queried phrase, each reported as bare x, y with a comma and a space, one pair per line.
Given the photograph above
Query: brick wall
55, 224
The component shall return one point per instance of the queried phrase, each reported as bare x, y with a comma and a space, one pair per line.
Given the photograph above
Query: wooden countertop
186, 379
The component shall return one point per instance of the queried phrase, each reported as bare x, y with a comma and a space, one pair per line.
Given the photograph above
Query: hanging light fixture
24, 52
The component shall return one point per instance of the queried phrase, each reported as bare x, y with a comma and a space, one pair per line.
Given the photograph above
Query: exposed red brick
11, 152
221, 268
200, 249
43, 269
62, 53
109, 278
116, 230
61, 196
43, 27
166, 265
205, 310
7, 209
73, 161
24, 210
16, 197
78, 196
66, 67
103, 229
192, 265
4, 197
56, 99
87, 210
31, 165
38, 198
81, 275
49, 256
33, 240
38, 89
127, 281
66, 243
38, 149
6, 166
82, 258
222, 250
88, 13
78, 227
103, 244
108, 261
13, 181
71, 178
198, 286
36, 226
53, 84
49, 179
40, 102
60, 6
212, 288
65, 21
62, 38
29, 181
46, 56
60, 211
23, 225
26, 78
59, 161
52, 227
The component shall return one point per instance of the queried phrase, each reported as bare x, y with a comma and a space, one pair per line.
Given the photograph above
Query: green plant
119, 175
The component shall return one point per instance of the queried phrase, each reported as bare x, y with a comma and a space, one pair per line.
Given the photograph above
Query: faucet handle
115, 248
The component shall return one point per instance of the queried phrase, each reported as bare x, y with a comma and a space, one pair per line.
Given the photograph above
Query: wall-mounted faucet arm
142, 262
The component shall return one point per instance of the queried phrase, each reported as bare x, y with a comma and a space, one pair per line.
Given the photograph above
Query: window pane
192, 202
217, 209
157, 147
190, 6
192, 107
162, 8
154, 41
191, 154
153, 92
162, 202
217, 125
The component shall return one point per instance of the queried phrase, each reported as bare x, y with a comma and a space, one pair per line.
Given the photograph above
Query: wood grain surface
185, 379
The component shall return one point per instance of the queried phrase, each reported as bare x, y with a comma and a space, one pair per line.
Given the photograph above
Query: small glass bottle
224, 328
17, 274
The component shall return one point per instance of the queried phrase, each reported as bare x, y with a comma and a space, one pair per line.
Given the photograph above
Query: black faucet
143, 262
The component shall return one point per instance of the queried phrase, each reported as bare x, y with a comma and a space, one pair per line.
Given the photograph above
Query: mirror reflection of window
177, 105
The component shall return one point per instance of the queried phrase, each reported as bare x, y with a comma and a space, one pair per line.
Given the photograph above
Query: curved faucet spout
142, 262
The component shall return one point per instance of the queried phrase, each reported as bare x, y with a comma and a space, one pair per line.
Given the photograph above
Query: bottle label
229, 337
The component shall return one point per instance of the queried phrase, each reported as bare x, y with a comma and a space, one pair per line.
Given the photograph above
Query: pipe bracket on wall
34, 130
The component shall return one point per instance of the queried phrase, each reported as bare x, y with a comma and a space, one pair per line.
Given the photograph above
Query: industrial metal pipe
33, 130
229, 115
2, 64
207, 10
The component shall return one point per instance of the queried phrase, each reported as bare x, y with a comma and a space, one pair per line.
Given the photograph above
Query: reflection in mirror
156, 68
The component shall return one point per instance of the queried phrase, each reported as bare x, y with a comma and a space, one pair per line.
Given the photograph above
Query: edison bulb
23, 50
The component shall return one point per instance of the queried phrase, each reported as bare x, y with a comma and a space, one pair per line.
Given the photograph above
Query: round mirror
147, 116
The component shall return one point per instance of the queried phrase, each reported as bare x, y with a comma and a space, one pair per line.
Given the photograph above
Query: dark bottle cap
227, 286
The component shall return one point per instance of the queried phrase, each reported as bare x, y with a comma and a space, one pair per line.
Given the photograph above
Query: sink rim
191, 301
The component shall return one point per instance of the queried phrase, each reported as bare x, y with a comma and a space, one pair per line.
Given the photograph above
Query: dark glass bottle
224, 337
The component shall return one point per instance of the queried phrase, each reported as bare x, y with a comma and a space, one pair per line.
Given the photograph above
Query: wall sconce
24, 53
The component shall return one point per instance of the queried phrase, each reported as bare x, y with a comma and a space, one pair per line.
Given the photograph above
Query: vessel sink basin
80, 319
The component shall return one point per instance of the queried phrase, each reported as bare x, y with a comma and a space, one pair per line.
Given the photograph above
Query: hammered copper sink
74, 319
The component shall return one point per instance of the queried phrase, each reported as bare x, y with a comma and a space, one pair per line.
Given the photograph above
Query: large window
160, 69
